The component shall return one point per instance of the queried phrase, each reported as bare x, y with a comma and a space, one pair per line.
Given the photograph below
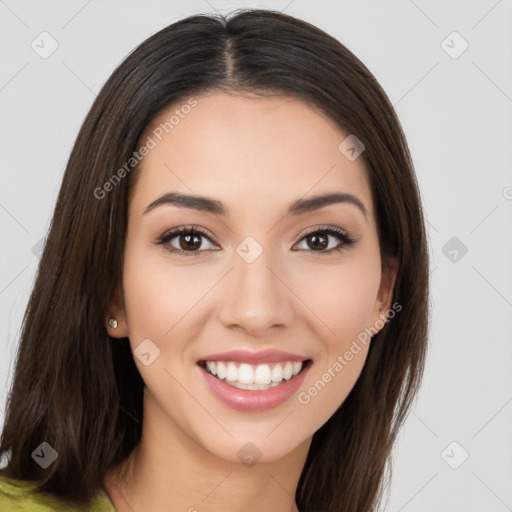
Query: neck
168, 471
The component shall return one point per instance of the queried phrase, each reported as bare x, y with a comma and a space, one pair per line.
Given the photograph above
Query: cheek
342, 296
344, 299
345, 305
158, 296
147, 304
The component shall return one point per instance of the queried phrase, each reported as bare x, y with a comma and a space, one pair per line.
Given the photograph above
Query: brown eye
189, 240
318, 240
192, 242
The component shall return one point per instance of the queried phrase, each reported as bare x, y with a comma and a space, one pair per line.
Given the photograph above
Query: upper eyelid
174, 232
325, 227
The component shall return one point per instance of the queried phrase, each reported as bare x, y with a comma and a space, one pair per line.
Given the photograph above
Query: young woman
231, 309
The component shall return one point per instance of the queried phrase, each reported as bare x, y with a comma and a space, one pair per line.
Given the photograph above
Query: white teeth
231, 372
212, 367
277, 373
263, 375
221, 370
253, 386
287, 372
245, 374
254, 377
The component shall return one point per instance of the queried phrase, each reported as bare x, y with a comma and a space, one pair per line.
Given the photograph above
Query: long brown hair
79, 390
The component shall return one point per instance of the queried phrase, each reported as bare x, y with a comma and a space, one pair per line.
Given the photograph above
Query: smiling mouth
254, 377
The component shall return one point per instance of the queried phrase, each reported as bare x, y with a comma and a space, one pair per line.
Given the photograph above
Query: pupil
315, 239
188, 239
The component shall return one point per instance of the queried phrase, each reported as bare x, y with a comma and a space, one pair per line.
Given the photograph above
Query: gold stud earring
113, 323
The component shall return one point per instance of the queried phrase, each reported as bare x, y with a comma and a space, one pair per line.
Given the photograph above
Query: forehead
233, 147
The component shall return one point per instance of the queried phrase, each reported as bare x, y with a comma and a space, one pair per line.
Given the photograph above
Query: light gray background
456, 113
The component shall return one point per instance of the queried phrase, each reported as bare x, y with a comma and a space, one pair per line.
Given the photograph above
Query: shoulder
22, 496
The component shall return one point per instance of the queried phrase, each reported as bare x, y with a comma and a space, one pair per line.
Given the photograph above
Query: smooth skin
257, 156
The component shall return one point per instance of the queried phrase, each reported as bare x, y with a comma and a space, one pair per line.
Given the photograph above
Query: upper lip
263, 356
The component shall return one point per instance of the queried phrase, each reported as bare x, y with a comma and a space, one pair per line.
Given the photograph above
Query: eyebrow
209, 205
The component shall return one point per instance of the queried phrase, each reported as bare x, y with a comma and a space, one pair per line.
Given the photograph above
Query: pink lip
264, 356
258, 400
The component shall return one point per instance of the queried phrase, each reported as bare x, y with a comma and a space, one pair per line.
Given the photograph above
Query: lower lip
257, 400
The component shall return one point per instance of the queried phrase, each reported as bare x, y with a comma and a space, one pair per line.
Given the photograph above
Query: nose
257, 297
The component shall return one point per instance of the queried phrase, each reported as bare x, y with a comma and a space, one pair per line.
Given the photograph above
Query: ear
385, 293
117, 312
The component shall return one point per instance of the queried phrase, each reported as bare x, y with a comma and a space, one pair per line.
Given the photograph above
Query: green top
20, 496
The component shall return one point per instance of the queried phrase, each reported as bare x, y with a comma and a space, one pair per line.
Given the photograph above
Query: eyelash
345, 239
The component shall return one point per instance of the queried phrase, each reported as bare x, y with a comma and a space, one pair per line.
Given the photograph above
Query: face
272, 301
